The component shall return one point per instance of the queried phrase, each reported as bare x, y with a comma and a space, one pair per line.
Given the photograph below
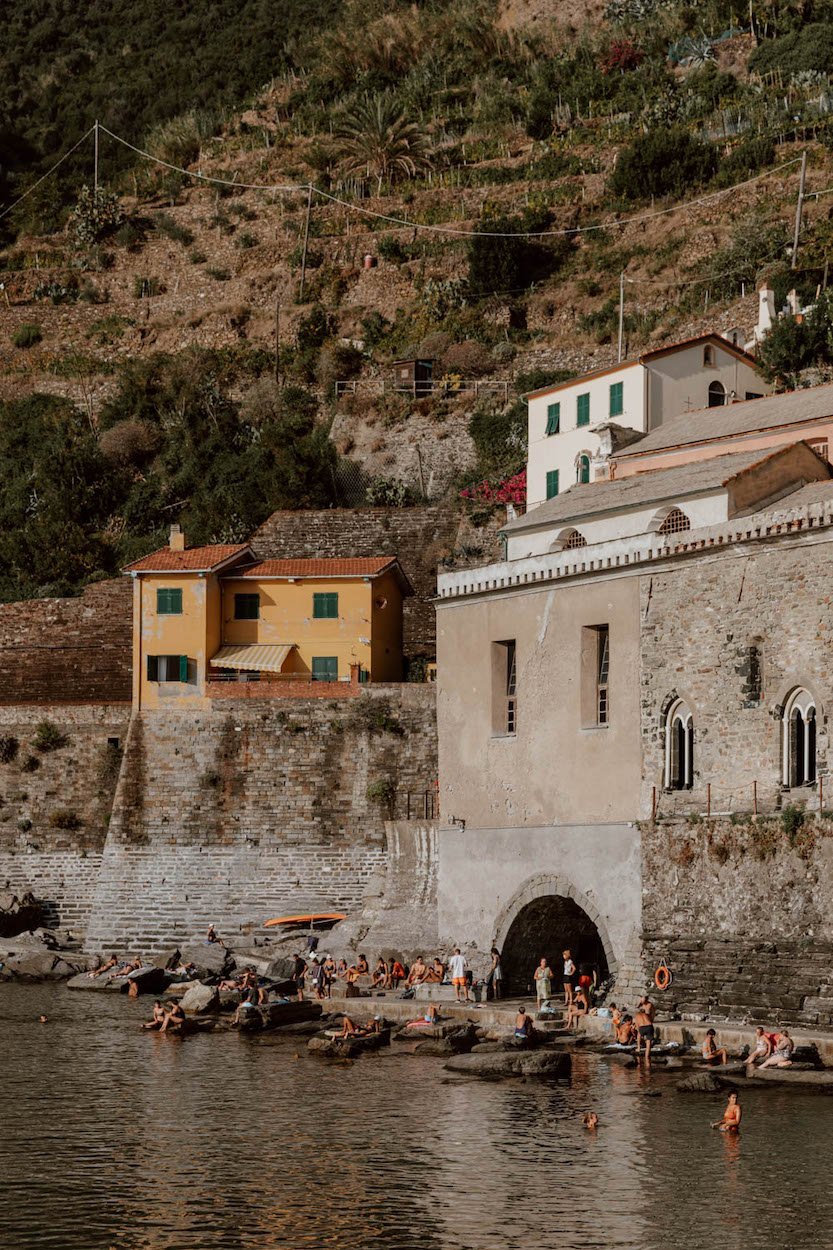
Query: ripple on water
112, 1137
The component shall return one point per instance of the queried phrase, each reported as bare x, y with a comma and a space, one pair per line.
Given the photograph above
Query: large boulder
554, 1065
279, 1014
280, 969
208, 957
200, 999
101, 984
702, 1083
19, 912
146, 981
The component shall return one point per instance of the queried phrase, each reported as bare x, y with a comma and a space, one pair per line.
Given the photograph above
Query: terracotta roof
321, 568
705, 425
654, 354
192, 560
677, 482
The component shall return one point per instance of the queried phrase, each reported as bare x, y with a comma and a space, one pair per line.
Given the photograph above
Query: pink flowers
510, 490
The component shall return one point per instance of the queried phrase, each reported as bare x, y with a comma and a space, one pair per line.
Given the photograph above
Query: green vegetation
27, 335
663, 162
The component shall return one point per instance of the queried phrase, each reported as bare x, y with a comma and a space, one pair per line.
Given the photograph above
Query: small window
675, 523
679, 747
753, 395
504, 688
553, 418
617, 403
247, 607
820, 447
603, 674
325, 607
325, 668
717, 394
167, 668
583, 469
583, 409
574, 540
168, 602
708, 357
799, 739
552, 483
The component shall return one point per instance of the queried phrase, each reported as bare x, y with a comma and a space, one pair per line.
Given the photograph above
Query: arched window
679, 747
717, 394
574, 539
675, 523
708, 356
799, 739
582, 469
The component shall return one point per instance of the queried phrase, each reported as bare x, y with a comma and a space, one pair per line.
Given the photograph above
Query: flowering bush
621, 56
510, 490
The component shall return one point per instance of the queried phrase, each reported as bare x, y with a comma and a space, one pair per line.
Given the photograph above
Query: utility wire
5, 211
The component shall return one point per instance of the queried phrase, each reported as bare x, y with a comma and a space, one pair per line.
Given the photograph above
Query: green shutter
584, 470
183, 668
325, 668
552, 483
583, 409
553, 418
616, 402
153, 668
168, 602
325, 607
247, 607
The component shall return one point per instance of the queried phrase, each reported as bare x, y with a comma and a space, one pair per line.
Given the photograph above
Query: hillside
577, 141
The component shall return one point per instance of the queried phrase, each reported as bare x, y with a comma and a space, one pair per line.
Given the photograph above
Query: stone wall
243, 812
699, 620
68, 650
742, 913
418, 536
55, 804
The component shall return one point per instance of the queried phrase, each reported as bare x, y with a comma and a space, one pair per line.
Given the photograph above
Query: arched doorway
547, 925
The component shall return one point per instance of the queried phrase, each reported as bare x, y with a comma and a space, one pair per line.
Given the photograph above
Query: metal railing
422, 389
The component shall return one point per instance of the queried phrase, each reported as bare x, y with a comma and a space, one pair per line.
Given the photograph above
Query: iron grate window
576, 539
675, 523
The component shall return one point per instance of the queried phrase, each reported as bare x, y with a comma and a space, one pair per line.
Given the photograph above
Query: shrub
48, 737
745, 160
468, 359
96, 215
219, 275
663, 162
246, 240
131, 235
502, 264
179, 140
313, 329
389, 492
808, 49
383, 792
621, 56
27, 335
30, 765
391, 249
197, 257
65, 818
534, 379
166, 225
8, 748
130, 442
500, 437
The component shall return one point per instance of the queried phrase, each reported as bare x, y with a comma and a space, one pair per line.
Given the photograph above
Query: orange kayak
307, 919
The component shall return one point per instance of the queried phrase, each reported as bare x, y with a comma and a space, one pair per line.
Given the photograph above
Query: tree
663, 162
376, 136
504, 262
792, 346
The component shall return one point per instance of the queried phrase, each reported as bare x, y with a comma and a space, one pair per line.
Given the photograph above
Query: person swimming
590, 1120
731, 1116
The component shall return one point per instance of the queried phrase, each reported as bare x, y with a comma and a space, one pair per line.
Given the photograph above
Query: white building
638, 394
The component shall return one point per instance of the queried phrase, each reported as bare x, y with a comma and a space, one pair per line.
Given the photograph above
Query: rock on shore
538, 1063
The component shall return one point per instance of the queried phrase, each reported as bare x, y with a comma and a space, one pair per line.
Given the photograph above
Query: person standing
457, 968
644, 1021
299, 972
569, 977
543, 981
495, 978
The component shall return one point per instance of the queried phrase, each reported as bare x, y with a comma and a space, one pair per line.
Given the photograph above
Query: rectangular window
752, 395
552, 483
583, 409
616, 399
325, 607
247, 607
602, 674
167, 668
504, 689
168, 602
553, 418
325, 668
594, 693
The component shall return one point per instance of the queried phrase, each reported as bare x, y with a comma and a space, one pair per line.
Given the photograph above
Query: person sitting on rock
174, 1018
524, 1030
417, 974
363, 966
250, 1001
781, 1056
112, 962
397, 974
711, 1052
761, 1050
626, 1031
436, 972
211, 935
159, 1014
578, 1007
341, 969
124, 970
380, 976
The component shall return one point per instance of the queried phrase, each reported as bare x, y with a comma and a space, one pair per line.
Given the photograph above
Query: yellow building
206, 617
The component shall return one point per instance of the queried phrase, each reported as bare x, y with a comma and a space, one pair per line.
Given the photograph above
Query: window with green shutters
616, 399
552, 483
583, 470
583, 409
247, 607
325, 607
553, 418
325, 668
168, 602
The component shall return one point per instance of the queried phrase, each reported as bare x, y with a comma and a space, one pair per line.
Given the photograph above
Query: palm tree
376, 136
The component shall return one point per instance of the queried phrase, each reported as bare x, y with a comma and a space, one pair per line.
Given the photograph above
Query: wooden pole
754, 798
621, 314
304, 252
95, 161
708, 799
278, 342
653, 803
799, 208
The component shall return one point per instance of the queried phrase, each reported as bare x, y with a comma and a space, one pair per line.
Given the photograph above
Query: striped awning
258, 657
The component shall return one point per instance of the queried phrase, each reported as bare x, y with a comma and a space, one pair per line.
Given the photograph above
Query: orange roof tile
320, 568
192, 560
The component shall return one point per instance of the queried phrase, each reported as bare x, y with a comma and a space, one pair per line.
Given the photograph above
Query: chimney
766, 312
176, 542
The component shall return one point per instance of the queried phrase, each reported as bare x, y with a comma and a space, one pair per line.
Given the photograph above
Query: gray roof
677, 482
813, 492
704, 424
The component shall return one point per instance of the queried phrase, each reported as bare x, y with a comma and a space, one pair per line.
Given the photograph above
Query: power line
49, 172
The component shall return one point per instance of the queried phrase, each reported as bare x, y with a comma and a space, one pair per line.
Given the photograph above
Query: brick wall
242, 812
55, 805
68, 650
418, 536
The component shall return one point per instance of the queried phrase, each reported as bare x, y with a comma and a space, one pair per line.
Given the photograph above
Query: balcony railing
422, 388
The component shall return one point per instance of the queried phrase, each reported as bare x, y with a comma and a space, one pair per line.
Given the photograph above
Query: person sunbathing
124, 970
711, 1052
341, 970
781, 1056
425, 1021
112, 962
159, 1014
761, 1050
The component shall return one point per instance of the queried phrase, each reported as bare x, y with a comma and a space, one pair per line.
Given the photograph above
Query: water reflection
112, 1137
